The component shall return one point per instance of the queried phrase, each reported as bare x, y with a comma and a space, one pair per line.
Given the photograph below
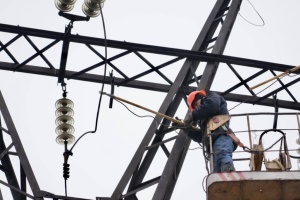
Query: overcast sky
100, 159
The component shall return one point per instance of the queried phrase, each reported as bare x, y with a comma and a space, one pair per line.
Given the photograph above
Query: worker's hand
177, 125
188, 121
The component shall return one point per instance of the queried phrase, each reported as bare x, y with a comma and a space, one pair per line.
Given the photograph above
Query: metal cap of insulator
65, 5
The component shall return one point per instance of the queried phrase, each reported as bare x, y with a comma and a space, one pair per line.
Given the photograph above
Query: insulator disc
64, 128
64, 102
93, 5
90, 12
69, 2
98, 1
65, 137
63, 7
64, 119
64, 111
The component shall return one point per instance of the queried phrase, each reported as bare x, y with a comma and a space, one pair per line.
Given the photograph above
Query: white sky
100, 159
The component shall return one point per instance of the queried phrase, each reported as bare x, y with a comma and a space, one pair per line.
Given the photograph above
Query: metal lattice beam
24, 162
149, 86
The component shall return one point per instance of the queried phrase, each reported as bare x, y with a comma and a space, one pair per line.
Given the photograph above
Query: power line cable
263, 22
257, 93
174, 127
102, 87
141, 116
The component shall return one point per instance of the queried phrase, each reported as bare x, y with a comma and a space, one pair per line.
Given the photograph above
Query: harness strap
232, 136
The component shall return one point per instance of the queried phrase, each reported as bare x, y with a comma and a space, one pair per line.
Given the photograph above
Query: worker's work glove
188, 121
177, 125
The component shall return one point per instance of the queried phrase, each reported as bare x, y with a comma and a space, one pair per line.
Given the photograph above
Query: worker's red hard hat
192, 96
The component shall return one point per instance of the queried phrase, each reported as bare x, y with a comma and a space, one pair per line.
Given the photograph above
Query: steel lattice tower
213, 36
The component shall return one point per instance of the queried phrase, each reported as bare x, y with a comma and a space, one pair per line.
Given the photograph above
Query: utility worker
202, 108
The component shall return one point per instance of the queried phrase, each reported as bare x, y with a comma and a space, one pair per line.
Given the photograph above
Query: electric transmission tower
213, 37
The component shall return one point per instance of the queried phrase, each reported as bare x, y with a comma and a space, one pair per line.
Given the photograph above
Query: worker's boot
227, 168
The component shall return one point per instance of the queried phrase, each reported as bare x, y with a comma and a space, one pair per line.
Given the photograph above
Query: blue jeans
222, 149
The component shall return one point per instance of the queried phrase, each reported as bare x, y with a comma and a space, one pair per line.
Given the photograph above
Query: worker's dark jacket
212, 105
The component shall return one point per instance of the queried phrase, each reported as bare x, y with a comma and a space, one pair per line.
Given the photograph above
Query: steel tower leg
172, 168
221, 15
18, 193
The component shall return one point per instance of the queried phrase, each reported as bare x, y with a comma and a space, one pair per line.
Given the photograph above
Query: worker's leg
223, 148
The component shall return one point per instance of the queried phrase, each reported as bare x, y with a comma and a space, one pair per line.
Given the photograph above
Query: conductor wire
258, 92
263, 22
102, 87
100, 99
